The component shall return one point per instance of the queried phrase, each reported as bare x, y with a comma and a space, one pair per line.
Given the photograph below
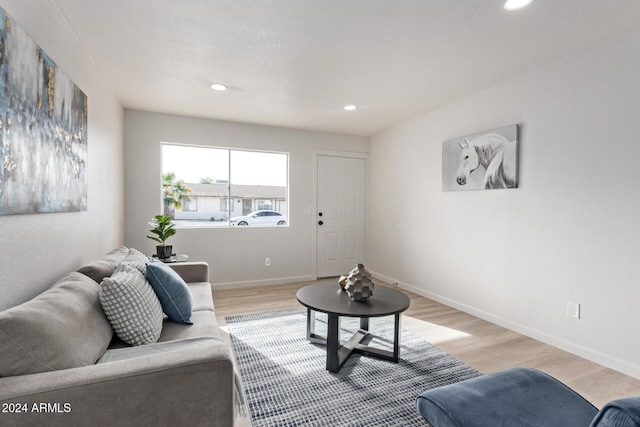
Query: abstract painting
43, 129
482, 161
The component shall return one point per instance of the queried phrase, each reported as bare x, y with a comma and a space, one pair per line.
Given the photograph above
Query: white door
340, 219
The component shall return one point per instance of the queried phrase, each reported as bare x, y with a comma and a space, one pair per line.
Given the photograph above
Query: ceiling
296, 63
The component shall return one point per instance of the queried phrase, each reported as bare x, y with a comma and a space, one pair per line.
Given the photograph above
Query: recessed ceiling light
516, 4
350, 107
217, 86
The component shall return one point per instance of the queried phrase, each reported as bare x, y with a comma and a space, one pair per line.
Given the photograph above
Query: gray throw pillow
64, 327
131, 306
104, 267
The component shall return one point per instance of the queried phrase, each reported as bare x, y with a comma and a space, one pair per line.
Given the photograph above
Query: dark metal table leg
311, 323
333, 343
396, 338
364, 323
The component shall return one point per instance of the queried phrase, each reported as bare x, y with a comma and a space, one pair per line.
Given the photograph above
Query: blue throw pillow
173, 293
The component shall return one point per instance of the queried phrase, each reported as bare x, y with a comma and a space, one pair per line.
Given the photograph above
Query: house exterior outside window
213, 204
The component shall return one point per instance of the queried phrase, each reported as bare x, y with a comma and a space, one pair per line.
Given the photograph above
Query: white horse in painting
495, 153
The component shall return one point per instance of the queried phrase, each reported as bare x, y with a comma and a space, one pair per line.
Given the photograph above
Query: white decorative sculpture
358, 284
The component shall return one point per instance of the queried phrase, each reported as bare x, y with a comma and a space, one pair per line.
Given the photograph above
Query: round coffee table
327, 297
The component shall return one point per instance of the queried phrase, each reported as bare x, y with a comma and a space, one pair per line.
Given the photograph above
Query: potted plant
163, 228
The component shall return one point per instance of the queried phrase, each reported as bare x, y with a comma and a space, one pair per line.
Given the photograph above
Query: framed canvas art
482, 161
43, 129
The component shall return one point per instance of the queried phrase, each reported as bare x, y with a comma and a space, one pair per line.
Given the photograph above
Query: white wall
38, 249
235, 255
570, 232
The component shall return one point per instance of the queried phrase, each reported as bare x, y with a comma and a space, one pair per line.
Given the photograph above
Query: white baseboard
264, 282
577, 349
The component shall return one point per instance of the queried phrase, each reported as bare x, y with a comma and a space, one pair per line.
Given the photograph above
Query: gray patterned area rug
286, 383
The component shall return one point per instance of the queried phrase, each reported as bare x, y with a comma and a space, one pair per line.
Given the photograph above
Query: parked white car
260, 218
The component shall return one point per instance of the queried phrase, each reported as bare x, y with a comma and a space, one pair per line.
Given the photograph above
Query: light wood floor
482, 345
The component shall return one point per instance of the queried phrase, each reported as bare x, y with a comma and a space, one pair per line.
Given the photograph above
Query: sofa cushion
187, 344
105, 266
64, 327
172, 291
204, 325
131, 306
137, 260
202, 296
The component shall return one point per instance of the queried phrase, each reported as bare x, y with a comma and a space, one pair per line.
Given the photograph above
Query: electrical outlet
267, 262
573, 309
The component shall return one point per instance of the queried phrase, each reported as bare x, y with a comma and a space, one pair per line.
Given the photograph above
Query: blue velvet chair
520, 397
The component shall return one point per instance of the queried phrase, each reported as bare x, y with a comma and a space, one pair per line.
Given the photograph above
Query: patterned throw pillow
131, 306
137, 260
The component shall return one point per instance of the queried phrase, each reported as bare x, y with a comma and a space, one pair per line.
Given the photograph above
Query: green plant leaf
163, 228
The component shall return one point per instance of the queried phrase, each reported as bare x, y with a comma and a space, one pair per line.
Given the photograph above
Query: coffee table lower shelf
338, 352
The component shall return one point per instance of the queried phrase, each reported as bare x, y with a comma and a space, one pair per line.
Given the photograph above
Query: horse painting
495, 153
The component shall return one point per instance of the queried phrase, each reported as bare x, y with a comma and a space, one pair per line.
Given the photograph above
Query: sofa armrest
189, 387
191, 271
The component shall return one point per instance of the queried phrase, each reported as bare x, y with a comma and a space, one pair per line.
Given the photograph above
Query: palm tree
174, 192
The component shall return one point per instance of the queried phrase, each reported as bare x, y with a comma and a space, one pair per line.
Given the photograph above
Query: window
190, 205
212, 186
226, 204
263, 204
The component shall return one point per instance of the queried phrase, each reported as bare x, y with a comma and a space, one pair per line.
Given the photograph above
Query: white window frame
232, 198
